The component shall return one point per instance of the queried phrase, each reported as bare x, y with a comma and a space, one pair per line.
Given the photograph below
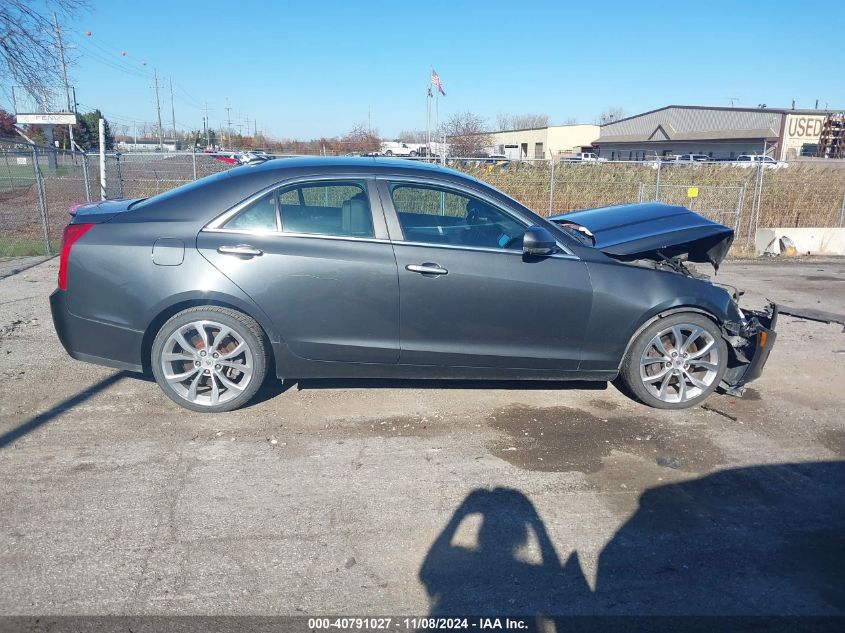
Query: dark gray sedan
328, 268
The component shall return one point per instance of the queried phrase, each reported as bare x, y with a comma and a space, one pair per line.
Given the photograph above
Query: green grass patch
25, 247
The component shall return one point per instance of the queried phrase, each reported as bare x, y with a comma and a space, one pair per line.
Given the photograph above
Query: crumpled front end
750, 342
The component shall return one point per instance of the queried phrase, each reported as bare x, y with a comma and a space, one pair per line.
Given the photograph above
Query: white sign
21, 160
45, 118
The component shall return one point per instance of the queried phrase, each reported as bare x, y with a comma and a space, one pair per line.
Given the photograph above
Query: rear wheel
676, 362
210, 359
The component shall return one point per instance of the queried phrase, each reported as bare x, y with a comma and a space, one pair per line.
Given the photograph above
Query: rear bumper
93, 341
758, 338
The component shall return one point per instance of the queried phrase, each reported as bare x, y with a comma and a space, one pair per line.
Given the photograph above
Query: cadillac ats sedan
384, 268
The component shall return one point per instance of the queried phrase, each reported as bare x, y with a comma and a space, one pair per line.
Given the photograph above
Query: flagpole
428, 122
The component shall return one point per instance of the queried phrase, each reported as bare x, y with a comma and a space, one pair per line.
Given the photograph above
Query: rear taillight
70, 235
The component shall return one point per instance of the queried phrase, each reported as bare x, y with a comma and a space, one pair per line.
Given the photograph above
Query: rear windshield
180, 190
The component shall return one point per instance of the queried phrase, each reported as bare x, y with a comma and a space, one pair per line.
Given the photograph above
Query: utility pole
70, 106
228, 121
207, 126
172, 111
158, 110
135, 131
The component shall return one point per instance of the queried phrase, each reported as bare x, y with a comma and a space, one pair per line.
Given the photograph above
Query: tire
388, 153
209, 383
675, 381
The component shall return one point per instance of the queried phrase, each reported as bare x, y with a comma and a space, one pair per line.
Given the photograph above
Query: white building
544, 142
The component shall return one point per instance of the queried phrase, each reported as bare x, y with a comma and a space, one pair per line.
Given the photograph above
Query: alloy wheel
207, 363
680, 363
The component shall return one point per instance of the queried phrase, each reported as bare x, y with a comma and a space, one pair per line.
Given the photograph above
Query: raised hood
652, 229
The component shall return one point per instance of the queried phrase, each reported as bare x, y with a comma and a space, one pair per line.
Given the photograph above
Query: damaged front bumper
750, 343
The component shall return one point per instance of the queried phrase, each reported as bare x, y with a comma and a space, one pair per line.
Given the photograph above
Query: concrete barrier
813, 241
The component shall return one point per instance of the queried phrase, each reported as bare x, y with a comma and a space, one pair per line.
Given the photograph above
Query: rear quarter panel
112, 278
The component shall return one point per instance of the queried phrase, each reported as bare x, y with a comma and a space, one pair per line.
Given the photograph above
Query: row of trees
468, 135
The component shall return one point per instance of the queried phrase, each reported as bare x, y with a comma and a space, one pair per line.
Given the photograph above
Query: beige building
544, 142
800, 134
716, 132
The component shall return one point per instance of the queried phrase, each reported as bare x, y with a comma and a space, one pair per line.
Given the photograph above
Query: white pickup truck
397, 148
767, 162
584, 157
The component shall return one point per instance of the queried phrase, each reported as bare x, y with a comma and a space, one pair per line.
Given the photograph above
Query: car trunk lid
98, 212
653, 230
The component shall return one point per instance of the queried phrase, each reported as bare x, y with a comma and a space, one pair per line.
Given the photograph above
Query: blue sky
312, 68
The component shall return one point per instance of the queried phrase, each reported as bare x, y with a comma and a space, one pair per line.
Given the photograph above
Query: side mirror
538, 241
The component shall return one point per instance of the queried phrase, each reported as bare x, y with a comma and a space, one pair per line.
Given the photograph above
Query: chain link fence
38, 185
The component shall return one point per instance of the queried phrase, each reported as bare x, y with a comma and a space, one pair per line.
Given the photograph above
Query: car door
315, 256
468, 296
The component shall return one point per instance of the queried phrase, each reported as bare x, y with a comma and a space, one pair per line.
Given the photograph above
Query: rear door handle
241, 250
427, 268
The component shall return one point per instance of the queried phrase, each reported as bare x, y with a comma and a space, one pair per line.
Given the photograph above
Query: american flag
435, 79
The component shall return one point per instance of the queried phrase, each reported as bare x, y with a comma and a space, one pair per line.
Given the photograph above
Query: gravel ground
386, 497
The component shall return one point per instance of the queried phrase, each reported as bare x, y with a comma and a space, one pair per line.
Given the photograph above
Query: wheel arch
163, 314
662, 314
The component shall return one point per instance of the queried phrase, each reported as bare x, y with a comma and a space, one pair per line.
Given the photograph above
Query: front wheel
210, 359
676, 362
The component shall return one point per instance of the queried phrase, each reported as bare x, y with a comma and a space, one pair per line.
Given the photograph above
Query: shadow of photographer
762, 545
496, 576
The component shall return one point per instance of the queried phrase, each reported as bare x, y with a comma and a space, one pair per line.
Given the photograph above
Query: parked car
750, 160
690, 159
228, 157
373, 268
254, 156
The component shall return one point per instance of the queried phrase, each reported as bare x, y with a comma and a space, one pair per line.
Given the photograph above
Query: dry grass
799, 196
803, 195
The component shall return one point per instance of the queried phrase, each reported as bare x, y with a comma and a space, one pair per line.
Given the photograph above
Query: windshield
579, 233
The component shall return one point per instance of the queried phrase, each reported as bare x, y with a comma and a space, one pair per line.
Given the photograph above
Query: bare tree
412, 136
28, 54
361, 139
506, 121
466, 134
611, 114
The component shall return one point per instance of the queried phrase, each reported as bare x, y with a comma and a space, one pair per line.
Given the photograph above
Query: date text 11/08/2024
411, 623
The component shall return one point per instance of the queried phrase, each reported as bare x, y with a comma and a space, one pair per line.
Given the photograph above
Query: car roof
373, 164
219, 191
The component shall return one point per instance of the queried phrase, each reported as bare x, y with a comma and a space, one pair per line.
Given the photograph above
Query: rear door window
338, 208
259, 216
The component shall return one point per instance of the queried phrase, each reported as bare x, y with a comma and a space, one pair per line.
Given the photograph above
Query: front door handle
241, 250
428, 268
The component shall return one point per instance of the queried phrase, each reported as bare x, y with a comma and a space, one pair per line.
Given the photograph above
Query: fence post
119, 175
657, 182
842, 212
85, 176
42, 200
740, 205
551, 183
753, 218
102, 159
194, 160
